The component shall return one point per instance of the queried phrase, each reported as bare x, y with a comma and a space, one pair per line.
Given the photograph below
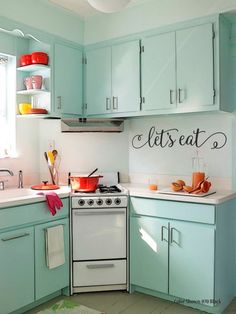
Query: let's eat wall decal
173, 137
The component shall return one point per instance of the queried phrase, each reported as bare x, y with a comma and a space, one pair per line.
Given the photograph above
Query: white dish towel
55, 252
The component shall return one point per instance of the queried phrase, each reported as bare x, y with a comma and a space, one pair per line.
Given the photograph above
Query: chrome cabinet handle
162, 233
99, 213
171, 96
95, 266
108, 103
16, 237
58, 102
115, 103
171, 236
180, 90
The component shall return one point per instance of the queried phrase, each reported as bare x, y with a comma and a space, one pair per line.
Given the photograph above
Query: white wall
45, 16
162, 160
83, 152
151, 14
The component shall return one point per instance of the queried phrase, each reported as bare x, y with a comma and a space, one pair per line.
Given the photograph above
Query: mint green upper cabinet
98, 79
158, 72
48, 280
191, 262
178, 70
195, 68
68, 77
125, 77
149, 253
113, 79
16, 269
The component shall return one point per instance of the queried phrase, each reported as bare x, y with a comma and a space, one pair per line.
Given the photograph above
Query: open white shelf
33, 67
32, 91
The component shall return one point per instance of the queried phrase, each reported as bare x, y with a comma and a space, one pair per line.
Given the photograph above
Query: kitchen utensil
28, 82
39, 57
84, 184
24, 108
45, 186
37, 81
25, 60
92, 172
49, 167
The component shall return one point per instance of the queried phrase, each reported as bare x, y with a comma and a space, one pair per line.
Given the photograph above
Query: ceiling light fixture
108, 6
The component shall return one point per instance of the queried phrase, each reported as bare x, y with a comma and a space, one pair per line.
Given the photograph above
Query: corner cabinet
26, 281
177, 252
68, 80
178, 69
113, 79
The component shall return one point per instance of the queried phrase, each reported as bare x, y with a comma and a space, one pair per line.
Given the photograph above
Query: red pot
39, 57
25, 60
85, 184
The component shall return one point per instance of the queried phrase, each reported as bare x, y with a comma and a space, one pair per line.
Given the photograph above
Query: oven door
99, 233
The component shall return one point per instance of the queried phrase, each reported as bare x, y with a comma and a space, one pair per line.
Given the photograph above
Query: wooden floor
125, 303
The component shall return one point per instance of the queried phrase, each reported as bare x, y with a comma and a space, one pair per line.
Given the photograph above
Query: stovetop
103, 190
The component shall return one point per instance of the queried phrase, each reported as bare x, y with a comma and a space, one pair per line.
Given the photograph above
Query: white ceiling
82, 8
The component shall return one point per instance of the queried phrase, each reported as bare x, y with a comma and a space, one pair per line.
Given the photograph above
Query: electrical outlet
51, 144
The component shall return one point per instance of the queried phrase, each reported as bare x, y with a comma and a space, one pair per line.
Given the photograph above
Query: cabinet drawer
30, 213
173, 210
96, 273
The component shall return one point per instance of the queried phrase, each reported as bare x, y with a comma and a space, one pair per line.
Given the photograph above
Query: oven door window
99, 234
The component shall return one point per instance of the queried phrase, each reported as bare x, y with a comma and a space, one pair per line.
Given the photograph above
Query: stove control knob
90, 202
108, 201
99, 202
81, 202
117, 201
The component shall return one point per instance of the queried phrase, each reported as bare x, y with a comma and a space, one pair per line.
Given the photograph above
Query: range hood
91, 125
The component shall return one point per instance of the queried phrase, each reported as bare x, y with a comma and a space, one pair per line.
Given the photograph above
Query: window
7, 105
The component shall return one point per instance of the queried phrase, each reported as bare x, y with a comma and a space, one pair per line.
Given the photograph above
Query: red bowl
39, 57
25, 60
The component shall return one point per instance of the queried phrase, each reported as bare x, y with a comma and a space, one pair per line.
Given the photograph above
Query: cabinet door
126, 77
98, 81
16, 269
194, 47
68, 80
149, 253
48, 280
191, 273
158, 72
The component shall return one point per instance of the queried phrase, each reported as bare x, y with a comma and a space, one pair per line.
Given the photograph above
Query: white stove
99, 239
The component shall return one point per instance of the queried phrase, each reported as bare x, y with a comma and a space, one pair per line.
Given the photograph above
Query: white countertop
142, 190
14, 197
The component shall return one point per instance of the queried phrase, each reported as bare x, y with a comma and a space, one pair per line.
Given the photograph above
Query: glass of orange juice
198, 173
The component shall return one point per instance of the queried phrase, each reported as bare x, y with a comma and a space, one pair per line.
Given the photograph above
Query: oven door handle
94, 266
88, 213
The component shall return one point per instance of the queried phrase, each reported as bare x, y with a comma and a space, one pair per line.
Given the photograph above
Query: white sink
9, 194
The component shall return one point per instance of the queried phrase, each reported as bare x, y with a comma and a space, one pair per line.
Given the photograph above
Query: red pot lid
43, 186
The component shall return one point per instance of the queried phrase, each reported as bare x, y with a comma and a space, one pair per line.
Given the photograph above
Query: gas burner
109, 189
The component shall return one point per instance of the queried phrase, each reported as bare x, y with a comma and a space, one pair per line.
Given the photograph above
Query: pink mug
37, 81
28, 82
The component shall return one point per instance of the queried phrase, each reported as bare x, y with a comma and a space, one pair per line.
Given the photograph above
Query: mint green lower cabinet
48, 280
149, 253
16, 269
191, 260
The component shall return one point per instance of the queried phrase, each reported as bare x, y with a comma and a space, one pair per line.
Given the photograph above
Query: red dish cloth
53, 201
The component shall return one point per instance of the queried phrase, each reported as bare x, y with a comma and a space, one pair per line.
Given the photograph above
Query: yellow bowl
24, 108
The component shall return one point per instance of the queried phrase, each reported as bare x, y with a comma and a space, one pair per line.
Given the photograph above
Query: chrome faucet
2, 185
20, 184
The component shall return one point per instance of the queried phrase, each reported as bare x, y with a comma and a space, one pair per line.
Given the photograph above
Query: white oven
99, 242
